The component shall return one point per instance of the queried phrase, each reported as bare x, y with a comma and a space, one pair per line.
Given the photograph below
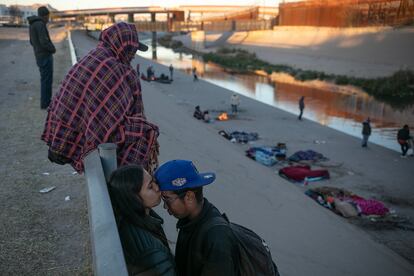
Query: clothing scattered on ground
100, 101
303, 174
370, 213
267, 155
240, 136
307, 155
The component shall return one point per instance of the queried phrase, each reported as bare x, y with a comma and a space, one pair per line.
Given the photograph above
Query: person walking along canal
403, 137
171, 68
43, 50
366, 132
301, 106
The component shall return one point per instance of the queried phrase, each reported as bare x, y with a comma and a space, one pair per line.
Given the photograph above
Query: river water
341, 108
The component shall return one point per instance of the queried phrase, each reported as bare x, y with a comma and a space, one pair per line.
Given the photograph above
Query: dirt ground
40, 234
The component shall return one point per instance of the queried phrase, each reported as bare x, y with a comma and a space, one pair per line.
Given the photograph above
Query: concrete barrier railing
107, 254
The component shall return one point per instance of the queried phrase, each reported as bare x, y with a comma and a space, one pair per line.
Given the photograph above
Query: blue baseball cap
181, 174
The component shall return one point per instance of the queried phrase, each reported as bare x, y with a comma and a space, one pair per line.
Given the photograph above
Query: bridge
181, 18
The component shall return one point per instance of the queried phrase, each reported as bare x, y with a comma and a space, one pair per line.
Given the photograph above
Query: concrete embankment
361, 52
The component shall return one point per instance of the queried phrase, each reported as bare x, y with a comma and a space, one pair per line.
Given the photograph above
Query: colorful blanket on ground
335, 199
240, 136
267, 155
303, 173
244, 137
307, 155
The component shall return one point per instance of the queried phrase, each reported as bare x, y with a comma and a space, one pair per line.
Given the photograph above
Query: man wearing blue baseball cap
201, 249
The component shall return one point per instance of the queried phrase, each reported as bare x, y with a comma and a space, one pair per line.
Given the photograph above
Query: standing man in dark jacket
404, 138
301, 106
202, 249
366, 132
44, 50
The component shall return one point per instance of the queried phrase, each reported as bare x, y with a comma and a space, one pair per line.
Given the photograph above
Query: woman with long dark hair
133, 194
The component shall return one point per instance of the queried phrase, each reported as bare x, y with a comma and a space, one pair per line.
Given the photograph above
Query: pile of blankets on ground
240, 136
267, 155
346, 203
308, 155
303, 174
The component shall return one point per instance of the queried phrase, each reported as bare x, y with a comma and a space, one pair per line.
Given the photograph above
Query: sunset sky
88, 4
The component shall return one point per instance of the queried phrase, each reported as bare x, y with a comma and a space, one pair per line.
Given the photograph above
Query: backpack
255, 256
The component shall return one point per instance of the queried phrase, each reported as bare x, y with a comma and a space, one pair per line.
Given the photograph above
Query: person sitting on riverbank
163, 79
134, 193
100, 101
150, 73
404, 139
206, 117
198, 114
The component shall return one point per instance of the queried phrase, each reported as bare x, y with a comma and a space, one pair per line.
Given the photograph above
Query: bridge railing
191, 26
223, 26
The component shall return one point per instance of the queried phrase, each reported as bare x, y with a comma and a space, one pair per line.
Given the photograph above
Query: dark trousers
45, 65
365, 140
404, 148
300, 114
234, 108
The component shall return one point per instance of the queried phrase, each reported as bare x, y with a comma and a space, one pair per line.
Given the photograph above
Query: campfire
223, 117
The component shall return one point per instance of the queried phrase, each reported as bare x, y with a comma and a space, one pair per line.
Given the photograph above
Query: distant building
4, 15
26, 11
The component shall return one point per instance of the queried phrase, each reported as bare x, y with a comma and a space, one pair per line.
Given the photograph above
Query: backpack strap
215, 221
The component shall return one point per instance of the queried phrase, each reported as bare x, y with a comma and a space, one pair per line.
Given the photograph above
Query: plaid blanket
100, 101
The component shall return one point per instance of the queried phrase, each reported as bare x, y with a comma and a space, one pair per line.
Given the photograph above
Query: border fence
347, 13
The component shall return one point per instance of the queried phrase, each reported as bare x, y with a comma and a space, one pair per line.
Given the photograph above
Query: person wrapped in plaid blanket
100, 101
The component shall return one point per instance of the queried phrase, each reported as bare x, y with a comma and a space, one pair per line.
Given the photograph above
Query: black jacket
199, 252
39, 37
403, 134
366, 128
144, 253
